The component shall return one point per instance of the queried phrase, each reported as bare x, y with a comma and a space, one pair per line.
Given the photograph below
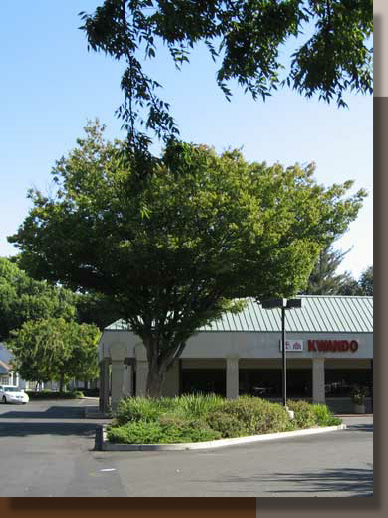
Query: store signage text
336, 346
292, 345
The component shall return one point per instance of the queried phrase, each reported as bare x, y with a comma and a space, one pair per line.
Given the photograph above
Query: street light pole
283, 304
284, 370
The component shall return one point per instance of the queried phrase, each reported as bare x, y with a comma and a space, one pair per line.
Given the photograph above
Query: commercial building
329, 349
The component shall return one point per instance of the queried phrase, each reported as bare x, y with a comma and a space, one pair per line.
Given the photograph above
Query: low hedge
92, 392
52, 394
196, 418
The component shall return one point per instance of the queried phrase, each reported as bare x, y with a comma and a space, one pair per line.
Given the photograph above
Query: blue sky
51, 85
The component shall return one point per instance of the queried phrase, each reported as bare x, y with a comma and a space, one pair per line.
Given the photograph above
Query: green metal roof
318, 314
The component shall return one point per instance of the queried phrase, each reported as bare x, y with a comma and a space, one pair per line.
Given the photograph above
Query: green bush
142, 409
149, 409
304, 416
227, 425
78, 394
258, 415
165, 432
197, 405
50, 394
324, 416
195, 418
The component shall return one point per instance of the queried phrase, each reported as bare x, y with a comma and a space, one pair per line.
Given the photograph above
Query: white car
10, 394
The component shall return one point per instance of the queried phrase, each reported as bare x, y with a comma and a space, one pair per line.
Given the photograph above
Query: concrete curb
103, 444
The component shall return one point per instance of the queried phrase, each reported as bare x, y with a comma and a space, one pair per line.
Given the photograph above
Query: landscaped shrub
308, 415
324, 416
258, 415
228, 425
304, 416
144, 409
154, 432
197, 405
195, 418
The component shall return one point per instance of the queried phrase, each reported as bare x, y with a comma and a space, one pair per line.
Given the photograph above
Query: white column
141, 377
104, 385
127, 380
318, 380
232, 378
117, 381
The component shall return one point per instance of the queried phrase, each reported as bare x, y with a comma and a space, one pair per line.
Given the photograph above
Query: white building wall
234, 351
244, 345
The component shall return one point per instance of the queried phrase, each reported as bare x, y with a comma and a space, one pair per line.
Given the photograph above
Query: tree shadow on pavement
53, 412
359, 428
25, 429
347, 480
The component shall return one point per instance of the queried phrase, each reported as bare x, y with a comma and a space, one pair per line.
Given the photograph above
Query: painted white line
108, 469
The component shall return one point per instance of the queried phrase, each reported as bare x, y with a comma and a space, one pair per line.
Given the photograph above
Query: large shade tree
175, 249
246, 40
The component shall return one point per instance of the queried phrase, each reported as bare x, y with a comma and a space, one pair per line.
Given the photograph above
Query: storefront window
205, 381
268, 383
339, 383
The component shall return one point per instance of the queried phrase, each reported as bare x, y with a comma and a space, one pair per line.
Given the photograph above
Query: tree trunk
155, 380
157, 366
61, 382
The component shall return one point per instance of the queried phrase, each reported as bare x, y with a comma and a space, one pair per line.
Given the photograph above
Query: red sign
333, 346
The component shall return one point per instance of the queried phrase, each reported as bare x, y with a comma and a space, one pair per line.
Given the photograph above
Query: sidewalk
356, 419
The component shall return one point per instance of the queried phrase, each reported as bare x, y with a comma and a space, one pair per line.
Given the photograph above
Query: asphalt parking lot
48, 450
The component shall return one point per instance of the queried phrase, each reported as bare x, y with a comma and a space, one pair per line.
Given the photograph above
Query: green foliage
323, 279
228, 425
257, 415
304, 416
366, 281
244, 38
145, 409
174, 250
307, 415
203, 418
324, 416
54, 349
23, 298
53, 394
197, 405
97, 309
358, 394
151, 432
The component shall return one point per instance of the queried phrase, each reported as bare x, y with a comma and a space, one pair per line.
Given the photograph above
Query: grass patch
197, 418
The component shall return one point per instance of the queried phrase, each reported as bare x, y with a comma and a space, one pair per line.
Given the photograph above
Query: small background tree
23, 298
54, 349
